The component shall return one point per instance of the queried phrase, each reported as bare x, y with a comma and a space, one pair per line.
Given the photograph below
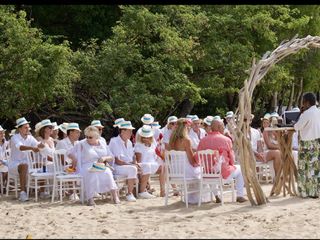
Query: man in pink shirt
215, 140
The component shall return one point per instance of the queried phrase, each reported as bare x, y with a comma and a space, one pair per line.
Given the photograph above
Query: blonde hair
92, 131
181, 132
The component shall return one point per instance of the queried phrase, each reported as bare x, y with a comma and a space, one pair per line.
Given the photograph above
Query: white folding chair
265, 172
35, 173
175, 165
62, 180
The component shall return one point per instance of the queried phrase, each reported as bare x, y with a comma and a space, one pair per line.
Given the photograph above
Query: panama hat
147, 118
155, 125
55, 126
208, 120
126, 125
63, 127
21, 121
274, 114
266, 117
229, 114
145, 131
96, 123
217, 118
194, 118
97, 167
43, 123
189, 116
1, 129
118, 121
172, 119
73, 126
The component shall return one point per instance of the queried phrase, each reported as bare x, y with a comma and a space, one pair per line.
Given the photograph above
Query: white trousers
237, 175
129, 171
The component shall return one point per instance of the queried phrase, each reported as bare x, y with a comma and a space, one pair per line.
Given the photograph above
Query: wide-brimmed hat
55, 126
146, 131
21, 121
229, 114
172, 119
126, 125
266, 117
63, 127
147, 118
208, 120
73, 126
97, 167
155, 125
96, 123
1, 129
43, 123
118, 121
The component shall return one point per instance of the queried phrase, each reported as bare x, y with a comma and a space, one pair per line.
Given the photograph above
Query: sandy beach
283, 217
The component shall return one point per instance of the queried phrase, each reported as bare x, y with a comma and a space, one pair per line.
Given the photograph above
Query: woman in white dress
180, 141
89, 151
146, 157
43, 131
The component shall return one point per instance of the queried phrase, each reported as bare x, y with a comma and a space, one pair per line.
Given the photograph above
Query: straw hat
55, 126
218, 118
98, 167
73, 126
21, 121
194, 118
126, 125
208, 120
118, 121
155, 125
1, 129
42, 124
274, 114
145, 131
266, 117
147, 119
229, 114
96, 123
189, 116
63, 127
172, 119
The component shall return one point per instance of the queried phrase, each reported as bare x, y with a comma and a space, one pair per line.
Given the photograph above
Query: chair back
210, 162
59, 161
175, 163
36, 161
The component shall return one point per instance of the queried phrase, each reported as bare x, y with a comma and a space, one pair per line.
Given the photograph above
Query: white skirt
97, 182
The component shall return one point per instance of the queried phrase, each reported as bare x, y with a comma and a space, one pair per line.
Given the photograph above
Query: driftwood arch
257, 72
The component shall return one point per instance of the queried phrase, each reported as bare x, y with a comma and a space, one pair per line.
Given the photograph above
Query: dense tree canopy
79, 62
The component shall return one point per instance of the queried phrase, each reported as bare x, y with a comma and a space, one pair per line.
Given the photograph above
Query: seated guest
99, 126
54, 133
122, 150
207, 124
87, 152
21, 142
167, 130
62, 133
271, 148
4, 146
43, 132
215, 140
180, 141
146, 157
196, 133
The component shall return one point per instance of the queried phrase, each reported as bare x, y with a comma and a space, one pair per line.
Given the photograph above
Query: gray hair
93, 131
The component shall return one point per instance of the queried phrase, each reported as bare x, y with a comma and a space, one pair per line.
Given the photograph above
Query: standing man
21, 142
308, 126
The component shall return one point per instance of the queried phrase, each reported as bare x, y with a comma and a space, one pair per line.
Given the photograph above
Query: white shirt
309, 124
255, 137
195, 139
148, 154
166, 135
3, 148
66, 144
16, 141
119, 150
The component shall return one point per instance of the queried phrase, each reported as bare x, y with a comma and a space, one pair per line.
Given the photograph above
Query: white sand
283, 217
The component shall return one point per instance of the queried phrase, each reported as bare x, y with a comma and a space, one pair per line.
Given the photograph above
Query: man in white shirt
123, 152
196, 133
308, 126
20, 143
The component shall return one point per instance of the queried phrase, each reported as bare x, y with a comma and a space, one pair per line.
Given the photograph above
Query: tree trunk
274, 101
186, 107
289, 106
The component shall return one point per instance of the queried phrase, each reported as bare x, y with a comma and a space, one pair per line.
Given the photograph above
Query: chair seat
68, 176
44, 174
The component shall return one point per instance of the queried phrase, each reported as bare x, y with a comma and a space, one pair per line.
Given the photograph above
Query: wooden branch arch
257, 72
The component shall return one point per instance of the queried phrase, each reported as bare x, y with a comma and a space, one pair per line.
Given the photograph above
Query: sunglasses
89, 137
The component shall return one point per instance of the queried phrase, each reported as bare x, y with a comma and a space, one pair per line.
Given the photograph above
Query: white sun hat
194, 118
274, 114
118, 121
21, 121
43, 123
63, 127
189, 116
172, 119
155, 125
1, 129
73, 126
266, 117
147, 119
126, 125
96, 123
217, 117
37, 127
146, 131
229, 114
208, 120
55, 126
97, 167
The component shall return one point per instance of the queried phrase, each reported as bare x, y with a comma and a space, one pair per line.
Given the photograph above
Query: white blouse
120, 150
309, 124
148, 154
